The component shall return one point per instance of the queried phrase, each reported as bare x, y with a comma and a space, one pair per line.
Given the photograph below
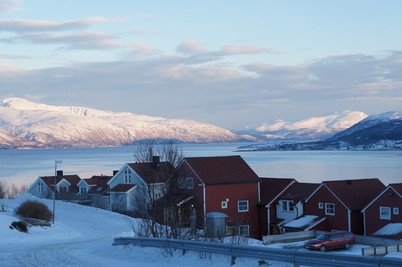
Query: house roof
122, 188
72, 179
391, 230
271, 188
222, 170
152, 173
299, 191
98, 184
355, 194
397, 187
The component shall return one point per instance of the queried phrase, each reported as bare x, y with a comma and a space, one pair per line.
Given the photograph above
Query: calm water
24, 166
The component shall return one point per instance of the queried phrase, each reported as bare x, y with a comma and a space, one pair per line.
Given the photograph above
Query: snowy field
83, 236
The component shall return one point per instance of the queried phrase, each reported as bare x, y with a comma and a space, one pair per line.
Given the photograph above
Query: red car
331, 240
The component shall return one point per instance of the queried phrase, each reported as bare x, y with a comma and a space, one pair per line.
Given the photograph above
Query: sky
231, 63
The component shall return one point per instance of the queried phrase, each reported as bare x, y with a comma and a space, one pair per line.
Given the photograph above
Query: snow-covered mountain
311, 128
376, 132
370, 121
27, 124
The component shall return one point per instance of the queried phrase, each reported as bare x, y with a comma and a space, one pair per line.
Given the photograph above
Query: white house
290, 204
136, 183
66, 186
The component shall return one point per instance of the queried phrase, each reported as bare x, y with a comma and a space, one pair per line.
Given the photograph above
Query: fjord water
24, 166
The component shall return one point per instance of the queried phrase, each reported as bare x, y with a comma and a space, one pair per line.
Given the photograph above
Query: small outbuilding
215, 224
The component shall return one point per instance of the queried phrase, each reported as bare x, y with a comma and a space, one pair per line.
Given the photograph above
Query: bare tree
156, 200
3, 189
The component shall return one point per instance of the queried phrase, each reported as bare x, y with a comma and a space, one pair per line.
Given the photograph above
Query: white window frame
287, 205
224, 205
320, 205
328, 209
244, 230
189, 183
40, 187
83, 190
386, 215
395, 211
127, 176
240, 205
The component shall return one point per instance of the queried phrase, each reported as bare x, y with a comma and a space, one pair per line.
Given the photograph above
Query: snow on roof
302, 221
390, 229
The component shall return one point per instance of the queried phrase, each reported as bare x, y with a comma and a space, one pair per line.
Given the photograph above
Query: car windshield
322, 237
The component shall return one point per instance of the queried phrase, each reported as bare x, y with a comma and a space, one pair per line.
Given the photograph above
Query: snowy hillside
311, 128
83, 236
27, 124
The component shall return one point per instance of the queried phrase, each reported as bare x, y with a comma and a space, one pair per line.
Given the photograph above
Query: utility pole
55, 189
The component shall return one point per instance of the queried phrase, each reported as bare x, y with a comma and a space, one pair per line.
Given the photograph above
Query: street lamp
55, 189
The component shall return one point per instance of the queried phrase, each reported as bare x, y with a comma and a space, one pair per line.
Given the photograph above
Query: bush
35, 210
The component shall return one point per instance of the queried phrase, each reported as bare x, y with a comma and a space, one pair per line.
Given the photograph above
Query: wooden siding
339, 221
388, 199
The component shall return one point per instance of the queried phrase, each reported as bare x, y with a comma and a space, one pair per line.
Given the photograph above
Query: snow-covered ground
83, 236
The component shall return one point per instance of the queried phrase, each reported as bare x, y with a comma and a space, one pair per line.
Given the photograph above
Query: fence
288, 237
380, 251
296, 256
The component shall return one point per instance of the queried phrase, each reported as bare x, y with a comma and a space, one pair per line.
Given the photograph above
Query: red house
221, 184
341, 203
270, 190
382, 216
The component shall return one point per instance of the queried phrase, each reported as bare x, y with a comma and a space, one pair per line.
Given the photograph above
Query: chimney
155, 162
115, 172
60, 173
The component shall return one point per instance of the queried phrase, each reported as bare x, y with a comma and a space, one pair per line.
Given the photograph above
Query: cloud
243, 49
9, 5
191, 47
27, 25
79, 40
197, 48
224, 94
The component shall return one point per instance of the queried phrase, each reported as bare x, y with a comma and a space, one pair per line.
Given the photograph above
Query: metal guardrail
295, 256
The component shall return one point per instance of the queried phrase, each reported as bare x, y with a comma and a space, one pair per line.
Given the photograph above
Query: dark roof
98, 184
72, 179
122, 188
299, 191
355, 194
152, 173
397, 187
222, 170
272, 187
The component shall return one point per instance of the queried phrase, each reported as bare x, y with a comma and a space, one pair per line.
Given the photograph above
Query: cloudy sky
231, 63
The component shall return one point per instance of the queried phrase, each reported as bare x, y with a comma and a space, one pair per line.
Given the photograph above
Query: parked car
331, 240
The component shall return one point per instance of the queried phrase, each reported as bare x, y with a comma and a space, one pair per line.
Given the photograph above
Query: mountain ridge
25, 124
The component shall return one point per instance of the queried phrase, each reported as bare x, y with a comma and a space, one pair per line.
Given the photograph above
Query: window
287, 205
244, 230
189, 183
320, 205
83, 190
329, 209
40, 187
396, 211
181, 182
242, 206
127, 176
385, 213
224, 205
63, 189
